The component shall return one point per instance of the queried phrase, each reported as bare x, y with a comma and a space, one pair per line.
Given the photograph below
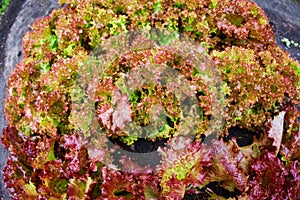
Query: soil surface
284, 16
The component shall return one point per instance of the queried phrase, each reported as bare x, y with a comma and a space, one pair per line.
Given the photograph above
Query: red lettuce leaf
270, 179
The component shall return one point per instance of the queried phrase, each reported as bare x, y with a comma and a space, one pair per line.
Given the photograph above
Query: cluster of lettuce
49, 159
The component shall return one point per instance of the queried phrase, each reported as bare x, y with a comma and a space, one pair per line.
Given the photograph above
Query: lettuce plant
50, 159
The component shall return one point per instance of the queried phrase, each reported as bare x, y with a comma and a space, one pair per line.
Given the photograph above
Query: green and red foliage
260, 84
139, 102
49, 160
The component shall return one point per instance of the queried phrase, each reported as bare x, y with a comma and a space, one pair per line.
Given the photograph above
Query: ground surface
284, 16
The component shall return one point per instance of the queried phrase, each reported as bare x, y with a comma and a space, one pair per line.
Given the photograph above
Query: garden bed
283, 24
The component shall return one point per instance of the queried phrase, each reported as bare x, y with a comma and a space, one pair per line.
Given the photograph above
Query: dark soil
6, 21
284, 17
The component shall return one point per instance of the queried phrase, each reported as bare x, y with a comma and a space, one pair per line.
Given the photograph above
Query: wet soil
284, 16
